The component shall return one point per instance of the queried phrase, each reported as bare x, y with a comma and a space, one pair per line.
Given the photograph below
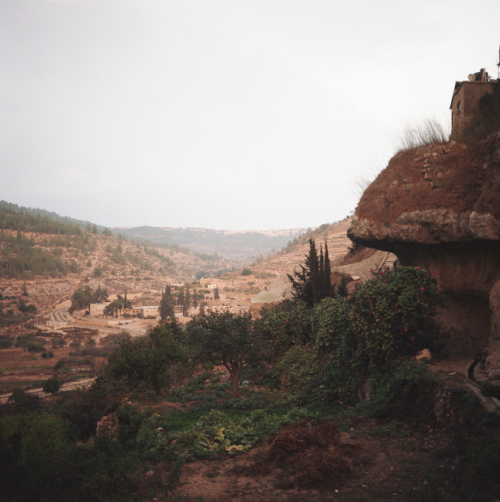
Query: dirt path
384, 468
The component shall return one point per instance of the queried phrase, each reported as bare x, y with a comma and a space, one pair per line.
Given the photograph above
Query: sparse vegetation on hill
434, 177
429, 132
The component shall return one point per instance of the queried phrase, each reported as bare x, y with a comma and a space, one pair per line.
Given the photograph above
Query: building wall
96, 309
465, 102
147, 311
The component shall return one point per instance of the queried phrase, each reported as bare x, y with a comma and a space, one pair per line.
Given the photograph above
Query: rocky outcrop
450, 227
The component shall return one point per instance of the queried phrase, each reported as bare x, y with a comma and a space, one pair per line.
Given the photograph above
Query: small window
459, 107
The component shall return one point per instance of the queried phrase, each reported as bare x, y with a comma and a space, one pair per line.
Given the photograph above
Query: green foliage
145, 361
27, 308
30, 342
40, 461
22, 256
84, 297
408, 391
14, 217
363, 336
313, 282
118, 304
84, 408
6, 342
227, 339
286, 324
35, 346
216, 433
166, 303
25, 402
246, 271
393, 314
51, 386
36, 452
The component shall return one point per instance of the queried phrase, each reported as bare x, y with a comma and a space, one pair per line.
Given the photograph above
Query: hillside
51, 259
233, 244
284, 261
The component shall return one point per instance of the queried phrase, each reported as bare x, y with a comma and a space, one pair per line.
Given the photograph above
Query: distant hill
35, 243
239, 245
284, 261
236, 245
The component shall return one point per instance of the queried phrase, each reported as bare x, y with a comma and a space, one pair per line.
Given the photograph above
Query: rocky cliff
438, 207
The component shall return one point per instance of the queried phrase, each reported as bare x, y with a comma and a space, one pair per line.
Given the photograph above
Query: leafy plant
223, 338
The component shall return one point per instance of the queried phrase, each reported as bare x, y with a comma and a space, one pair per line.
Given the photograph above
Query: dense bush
6, 342
286, 325
145, 361
51, 386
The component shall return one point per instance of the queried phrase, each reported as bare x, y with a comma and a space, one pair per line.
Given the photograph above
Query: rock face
439, 207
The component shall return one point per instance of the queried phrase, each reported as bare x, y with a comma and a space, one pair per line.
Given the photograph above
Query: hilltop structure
466, 96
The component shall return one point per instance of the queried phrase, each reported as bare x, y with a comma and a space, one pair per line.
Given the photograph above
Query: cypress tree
328, 274
166, 304
180, 297
313, 283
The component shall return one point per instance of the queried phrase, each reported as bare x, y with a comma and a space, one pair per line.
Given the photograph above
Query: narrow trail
79, 384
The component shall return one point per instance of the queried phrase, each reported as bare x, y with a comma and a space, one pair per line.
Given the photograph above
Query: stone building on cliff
466, 97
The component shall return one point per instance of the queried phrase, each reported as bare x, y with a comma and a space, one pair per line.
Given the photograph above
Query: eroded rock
448, 224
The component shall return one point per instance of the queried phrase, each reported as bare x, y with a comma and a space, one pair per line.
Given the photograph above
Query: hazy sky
223, 114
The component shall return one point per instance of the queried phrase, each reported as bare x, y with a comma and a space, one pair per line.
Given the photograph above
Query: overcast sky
222, 114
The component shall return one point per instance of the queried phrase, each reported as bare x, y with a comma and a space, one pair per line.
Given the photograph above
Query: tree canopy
227, 339
144, 361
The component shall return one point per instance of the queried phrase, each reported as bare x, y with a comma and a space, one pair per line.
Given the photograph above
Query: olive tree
145, 360
227, 339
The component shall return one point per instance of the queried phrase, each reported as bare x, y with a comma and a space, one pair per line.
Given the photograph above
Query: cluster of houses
97, 310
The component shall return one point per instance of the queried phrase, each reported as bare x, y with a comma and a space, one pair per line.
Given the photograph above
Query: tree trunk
235, 374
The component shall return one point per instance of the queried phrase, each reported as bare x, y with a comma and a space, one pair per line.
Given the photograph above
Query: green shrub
285, 325
6, 342
490, 390
405, 390
385, 320
51, 386
35, 346
145, 361
25, 402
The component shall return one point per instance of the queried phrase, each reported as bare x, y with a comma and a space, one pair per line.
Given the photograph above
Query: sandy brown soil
383, 468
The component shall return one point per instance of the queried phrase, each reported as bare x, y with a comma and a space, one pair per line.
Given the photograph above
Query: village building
97, 309
465, 100
147, 311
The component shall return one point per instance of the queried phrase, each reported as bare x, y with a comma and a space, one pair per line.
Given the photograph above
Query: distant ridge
234, 244
238, 245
